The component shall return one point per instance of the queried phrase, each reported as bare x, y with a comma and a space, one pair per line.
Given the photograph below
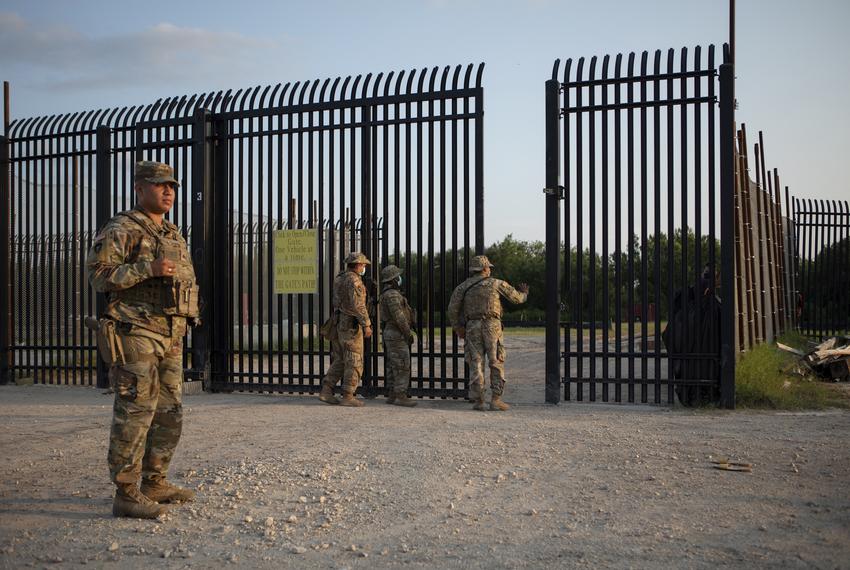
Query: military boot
479, 404
390, 398
403, 400
327, 395
162, 491
348, 399
497, 404
130, 502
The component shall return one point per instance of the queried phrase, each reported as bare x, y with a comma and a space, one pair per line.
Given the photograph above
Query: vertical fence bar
201, 208
698, 177
479, 169
762, 266
579, 209
747, 237
630, 223
5, 270
780, 256
220, 313
790, 269
740, 259
103, 210
366, 236
727, 234
605, 233
591, 257
430, 300
644, 238
566, 279
618, 245
553, 244
671, 227
656, 176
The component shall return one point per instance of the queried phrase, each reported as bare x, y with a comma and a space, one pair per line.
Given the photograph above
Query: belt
481, 318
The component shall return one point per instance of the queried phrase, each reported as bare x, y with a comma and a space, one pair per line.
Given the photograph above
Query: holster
328, 328
109, 343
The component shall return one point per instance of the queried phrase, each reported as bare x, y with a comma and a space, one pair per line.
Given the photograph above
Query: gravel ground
288, 481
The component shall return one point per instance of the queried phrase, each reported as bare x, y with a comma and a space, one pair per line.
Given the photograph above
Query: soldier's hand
460, 332
523, 288
367, 332
162, 267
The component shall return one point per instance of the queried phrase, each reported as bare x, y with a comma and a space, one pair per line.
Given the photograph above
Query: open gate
648, 172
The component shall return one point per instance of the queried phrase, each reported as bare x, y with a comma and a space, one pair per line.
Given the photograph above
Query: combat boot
162, 491
497, 404
130, 502
479, 404
403, 400
327, 395
391, 398
348, 399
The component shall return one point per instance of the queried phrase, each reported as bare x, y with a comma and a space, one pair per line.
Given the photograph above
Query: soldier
475, 311
396, 322
346, 329
143, 264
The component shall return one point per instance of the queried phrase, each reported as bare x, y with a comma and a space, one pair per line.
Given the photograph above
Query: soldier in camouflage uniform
475, 311
346, 329
143, 264
396, 322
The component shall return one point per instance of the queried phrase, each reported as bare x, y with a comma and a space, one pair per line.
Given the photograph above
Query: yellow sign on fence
296, 265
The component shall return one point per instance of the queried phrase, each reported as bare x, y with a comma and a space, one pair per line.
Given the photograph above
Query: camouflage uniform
349, 304
396, 321
149, 317
476, 305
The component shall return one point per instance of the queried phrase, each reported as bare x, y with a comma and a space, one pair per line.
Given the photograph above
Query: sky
792, 69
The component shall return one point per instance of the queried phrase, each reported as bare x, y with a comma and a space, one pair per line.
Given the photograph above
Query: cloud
165, 54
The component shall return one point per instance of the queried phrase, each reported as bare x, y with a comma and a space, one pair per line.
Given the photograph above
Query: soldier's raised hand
522, 288
367, 332
162, 267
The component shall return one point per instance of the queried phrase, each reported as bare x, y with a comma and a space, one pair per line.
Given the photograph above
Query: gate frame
554, 195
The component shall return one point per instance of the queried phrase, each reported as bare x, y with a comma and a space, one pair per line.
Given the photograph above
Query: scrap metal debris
829, 359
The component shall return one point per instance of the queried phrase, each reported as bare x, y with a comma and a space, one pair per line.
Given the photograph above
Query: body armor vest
174, 295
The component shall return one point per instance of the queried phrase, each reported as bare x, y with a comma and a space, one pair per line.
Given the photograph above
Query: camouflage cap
356, 257
479, 263
390, 273
155, 172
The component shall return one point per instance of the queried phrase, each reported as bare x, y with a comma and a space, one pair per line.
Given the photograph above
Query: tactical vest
174, 295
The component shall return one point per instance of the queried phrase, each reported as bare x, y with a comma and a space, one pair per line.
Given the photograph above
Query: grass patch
763, 380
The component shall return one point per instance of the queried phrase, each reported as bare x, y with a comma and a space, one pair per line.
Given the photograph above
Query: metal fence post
553, 244
218, 291
727, 234
103, 211
201, 252
479, 171
366, 245
5, 274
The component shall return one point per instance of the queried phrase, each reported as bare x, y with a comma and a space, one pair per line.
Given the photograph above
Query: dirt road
287, 481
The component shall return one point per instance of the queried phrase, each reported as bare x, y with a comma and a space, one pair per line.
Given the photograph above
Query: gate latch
558, 191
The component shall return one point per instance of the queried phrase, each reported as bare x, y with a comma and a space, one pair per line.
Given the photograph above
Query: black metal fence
648, 168
822, 266
391, 165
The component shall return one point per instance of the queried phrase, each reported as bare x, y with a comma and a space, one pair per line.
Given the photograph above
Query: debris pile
829, 359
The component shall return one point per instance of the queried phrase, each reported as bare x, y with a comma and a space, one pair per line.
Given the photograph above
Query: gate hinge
557, 191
